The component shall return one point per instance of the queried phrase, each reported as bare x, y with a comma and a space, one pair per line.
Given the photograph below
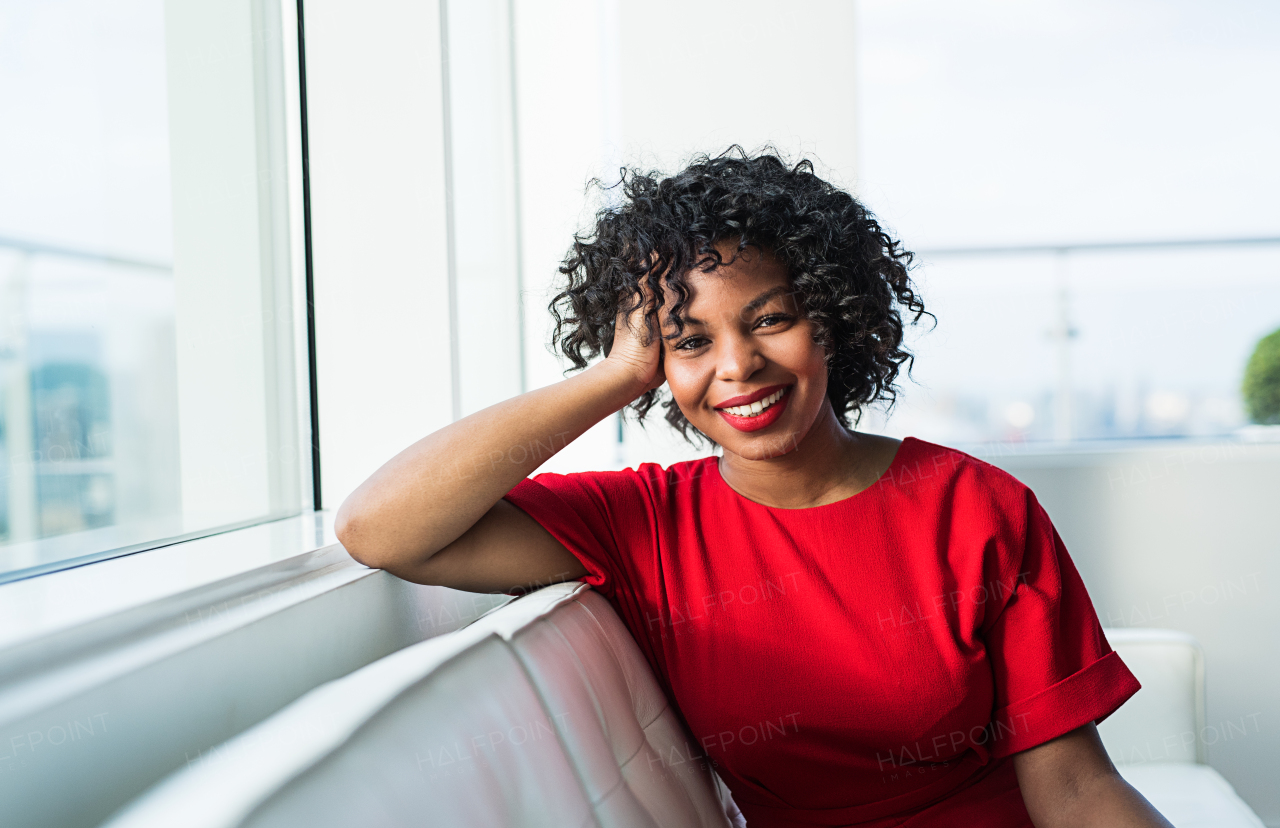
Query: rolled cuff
1089, 695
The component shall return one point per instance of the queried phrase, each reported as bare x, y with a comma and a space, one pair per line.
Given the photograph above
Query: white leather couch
1157, 738
541, 713
544, 713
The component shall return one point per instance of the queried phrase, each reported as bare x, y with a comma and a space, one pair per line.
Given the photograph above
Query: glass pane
148, 388
1060, 144
1152, 348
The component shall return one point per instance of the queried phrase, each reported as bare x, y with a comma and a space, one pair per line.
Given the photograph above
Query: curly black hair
850, 276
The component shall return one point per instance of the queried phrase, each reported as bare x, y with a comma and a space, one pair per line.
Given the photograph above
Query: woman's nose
738, 358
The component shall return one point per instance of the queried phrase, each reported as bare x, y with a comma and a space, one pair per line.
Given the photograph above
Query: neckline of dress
885, 475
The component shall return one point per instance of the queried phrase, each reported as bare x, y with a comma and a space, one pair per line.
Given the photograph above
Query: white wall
374, 94
696, 79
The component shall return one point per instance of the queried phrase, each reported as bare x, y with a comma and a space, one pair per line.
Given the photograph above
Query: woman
858, 630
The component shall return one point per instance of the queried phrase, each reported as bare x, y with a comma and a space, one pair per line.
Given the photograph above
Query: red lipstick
765, 418
747, 399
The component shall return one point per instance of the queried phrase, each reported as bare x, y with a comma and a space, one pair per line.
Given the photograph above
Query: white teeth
756, 407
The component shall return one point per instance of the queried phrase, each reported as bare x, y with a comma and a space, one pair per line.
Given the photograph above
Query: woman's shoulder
920, 463
966, 493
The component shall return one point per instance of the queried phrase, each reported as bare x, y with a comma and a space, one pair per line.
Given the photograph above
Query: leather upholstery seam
666, 703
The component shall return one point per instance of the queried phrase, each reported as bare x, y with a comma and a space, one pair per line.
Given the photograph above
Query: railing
41, 249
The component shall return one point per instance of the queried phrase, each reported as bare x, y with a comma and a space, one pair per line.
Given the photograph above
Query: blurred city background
115, 426
1083, 130
86, 269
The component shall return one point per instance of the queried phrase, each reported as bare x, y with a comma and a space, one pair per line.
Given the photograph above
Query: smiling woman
811, 241
923, 632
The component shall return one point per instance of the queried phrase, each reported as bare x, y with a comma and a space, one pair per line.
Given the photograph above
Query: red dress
872, 662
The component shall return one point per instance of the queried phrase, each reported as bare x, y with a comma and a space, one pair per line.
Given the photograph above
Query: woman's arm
1069, 782
434, 513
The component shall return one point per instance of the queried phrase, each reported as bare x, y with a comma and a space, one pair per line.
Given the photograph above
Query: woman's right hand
637, 348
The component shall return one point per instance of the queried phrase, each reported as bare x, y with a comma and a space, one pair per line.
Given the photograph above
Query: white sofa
544, 713
541, 713
1156, 740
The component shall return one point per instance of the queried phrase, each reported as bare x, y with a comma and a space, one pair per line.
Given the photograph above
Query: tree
1262, 381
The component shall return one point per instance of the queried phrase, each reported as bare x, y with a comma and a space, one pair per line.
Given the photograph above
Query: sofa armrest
1165, 721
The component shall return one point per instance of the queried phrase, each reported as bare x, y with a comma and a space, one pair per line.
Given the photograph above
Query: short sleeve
595, 515
1053, 668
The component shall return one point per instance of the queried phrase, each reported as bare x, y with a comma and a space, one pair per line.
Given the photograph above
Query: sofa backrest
1165, 720
585, 663
542, 713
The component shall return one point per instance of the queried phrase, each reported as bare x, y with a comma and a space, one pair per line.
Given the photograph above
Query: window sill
45, 604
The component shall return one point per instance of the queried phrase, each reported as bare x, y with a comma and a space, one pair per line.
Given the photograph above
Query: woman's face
746, 341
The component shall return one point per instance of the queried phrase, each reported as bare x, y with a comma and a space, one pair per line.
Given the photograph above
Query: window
1089, 187
153, 379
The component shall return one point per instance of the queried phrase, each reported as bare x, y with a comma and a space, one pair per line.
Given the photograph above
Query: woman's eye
689, 344
778, 318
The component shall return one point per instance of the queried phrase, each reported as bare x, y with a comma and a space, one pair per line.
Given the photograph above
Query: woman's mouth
757, 415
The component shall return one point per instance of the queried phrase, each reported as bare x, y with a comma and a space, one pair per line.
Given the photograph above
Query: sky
84, 146
1000, 122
